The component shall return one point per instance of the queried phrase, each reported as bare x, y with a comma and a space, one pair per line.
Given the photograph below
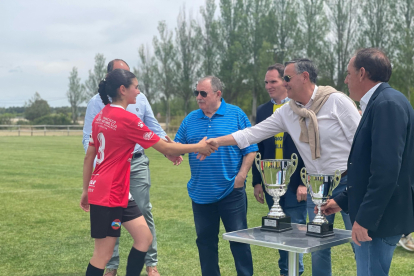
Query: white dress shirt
365, 99
338, 120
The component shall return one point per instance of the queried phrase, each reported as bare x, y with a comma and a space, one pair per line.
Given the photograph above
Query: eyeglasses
287, 78
202, 93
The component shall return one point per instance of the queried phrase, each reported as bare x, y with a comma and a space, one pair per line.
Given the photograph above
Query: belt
136, 155
344, 173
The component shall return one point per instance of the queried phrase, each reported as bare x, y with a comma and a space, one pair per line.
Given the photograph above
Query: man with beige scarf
322, 123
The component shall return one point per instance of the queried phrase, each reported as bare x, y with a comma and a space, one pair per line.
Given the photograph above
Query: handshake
207, 147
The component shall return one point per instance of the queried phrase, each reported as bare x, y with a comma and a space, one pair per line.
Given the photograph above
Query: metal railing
40, 130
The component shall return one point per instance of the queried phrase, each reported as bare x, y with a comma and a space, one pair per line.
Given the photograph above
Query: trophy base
320, 231
275, 224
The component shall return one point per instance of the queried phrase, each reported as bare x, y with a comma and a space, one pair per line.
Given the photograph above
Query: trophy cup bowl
320, 188
276, 175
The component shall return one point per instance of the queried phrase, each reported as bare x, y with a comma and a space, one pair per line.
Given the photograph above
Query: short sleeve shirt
213, 179
115, 132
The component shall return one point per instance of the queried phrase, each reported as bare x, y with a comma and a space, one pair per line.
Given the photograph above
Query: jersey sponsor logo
148, 135
116, 224
141, 124
92, 183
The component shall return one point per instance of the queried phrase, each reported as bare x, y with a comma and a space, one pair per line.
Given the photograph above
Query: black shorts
106, 221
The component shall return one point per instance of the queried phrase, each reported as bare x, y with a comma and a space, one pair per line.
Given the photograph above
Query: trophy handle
257, 161
291, 168
303, 176
335, 181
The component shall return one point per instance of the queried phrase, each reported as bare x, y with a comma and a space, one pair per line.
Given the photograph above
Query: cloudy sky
42, 40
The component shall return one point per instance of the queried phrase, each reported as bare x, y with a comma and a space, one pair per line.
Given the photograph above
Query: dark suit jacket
381, 166
267, 149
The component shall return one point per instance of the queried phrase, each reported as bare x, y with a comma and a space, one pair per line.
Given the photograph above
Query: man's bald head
117, 64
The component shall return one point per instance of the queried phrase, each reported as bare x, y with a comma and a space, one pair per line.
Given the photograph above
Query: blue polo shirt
213, 179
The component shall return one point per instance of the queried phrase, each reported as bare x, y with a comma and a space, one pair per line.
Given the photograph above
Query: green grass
43, 231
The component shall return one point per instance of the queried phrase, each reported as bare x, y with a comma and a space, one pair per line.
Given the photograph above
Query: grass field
44, 232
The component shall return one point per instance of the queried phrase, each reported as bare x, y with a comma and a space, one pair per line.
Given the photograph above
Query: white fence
40, 130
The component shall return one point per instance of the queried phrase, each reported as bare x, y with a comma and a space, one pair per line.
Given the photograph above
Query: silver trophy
276, 175
320, 188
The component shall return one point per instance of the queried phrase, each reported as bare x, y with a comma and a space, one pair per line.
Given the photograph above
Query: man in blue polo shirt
217, 185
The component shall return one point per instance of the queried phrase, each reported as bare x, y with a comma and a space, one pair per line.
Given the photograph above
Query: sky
42, 40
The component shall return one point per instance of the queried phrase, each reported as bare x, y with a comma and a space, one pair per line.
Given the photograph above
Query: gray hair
216, 84
305, 65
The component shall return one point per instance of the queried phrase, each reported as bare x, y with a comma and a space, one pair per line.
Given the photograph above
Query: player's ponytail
108, 87
102, 92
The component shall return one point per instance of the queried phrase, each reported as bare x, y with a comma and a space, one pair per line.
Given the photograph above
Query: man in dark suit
379, 196
280, 146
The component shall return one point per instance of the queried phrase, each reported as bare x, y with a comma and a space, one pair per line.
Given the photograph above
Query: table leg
293, 264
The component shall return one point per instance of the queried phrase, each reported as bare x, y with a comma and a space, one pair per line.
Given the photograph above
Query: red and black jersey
115, 132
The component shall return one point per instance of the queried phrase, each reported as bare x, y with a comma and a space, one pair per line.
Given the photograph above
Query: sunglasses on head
202, 93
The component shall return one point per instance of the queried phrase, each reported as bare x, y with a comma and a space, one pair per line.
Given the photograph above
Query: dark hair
216, 84
110, 67
305, 65
375, 63
280, 68
109, 85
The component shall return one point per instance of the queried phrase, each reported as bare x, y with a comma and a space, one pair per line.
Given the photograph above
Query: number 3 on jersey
100, 156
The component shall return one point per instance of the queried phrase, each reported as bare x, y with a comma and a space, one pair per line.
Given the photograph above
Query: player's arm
177, 149
87, 173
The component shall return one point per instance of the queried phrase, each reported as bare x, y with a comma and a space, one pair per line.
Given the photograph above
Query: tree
165, 71
36, 108
283, 29
99, 73
231, 50
404, 37
253, 25
343, 15
208, 34
376, 20
314, 27
187, 58
146, 74
75, 94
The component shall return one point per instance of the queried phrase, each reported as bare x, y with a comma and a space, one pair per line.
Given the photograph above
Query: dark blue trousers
232, 211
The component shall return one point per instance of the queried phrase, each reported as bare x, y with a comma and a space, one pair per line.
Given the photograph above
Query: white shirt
365, 99
338, 120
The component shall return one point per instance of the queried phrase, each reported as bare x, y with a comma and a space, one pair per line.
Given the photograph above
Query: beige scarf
311, 134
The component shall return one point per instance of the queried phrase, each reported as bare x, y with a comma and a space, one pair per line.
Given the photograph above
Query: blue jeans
321, 260
232, 211
297, 214
374, 257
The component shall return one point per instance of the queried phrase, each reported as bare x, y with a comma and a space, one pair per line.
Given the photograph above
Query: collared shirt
213, 179
365, 99
338, 120
285, 100
309, 104
141, 108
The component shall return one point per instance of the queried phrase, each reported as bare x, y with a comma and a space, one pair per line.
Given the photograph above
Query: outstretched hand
213, 144
206, 149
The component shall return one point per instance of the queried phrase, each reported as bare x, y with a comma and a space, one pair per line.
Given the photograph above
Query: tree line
237, 40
